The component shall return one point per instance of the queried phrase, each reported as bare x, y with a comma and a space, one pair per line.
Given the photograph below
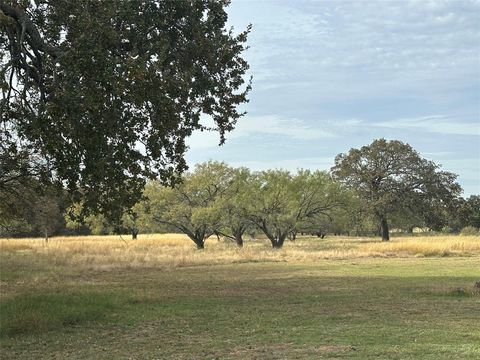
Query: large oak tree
105, 92
391, 175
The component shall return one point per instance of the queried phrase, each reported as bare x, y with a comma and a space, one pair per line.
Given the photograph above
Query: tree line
369, 190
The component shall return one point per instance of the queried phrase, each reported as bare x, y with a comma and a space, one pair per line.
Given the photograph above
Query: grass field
159, 298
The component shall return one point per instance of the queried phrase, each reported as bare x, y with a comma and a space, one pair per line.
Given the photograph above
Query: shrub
447, 230
469, 230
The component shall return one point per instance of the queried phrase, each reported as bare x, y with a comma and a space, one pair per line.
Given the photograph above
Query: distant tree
318, 226
143, 220
407, 220
96, 224
29, 202
47, 216
22, 181
130, 220
388, 175
346, 218
273, 212
234, 206
283, 201
191, 207
469, 212
432, 214
355, 218
36, 210
137, 220
133, 221
104, 93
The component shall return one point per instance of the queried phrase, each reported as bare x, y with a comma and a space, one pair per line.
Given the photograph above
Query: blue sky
332, 75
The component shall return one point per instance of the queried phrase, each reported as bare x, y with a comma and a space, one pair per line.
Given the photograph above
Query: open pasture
159, 298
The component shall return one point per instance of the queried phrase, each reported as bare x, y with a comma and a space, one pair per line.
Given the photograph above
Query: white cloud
386, 46
274, 125
295, 129
437, 154
436, 124
301, 131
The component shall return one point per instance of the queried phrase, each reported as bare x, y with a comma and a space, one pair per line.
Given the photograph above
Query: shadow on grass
38, 313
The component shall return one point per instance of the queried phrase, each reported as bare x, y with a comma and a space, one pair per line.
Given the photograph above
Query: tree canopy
104, 94
235, 204
391, 175
218, 199
191, 206
468, 212
282, 201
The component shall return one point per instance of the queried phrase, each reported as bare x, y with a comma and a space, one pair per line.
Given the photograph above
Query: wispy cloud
434, 124
273, 125
425, 47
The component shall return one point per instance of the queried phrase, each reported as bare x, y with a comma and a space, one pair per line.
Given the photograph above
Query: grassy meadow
108, 297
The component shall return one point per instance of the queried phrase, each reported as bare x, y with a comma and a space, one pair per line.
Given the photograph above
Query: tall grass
426, 246
176, 250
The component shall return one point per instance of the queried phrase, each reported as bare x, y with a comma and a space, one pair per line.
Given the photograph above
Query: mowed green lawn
385, 308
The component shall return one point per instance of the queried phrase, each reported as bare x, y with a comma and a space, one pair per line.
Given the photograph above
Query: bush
447, 230
469, 230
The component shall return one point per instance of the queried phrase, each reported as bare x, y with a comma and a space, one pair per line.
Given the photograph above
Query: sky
329, 76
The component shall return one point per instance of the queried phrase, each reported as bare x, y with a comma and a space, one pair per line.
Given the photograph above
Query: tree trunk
239, 240
198, 238
384, 228
276, 239
293, 235
134, 233
277, 243
238, 235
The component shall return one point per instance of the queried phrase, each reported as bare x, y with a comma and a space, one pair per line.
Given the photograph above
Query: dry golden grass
154, 298
176, 250
427, 246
